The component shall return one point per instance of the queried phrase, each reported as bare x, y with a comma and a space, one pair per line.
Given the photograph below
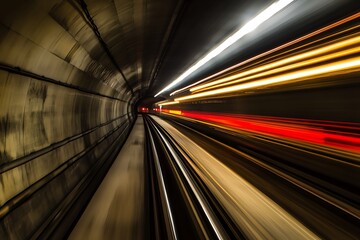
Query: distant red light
143, 109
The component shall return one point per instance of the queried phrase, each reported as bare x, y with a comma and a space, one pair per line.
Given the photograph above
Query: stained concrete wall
64, 112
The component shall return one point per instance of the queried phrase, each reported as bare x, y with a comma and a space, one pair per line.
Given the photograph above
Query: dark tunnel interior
260, 142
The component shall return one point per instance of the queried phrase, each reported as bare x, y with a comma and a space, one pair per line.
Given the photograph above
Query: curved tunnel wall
65, 111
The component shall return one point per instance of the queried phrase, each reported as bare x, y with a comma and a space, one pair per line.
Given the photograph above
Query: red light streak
311, 131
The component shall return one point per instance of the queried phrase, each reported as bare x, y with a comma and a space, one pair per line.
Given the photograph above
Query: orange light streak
319, 31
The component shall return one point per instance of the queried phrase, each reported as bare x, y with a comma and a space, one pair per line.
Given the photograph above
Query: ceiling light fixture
247, 28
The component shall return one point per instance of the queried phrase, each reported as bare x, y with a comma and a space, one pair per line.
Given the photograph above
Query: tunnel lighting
290, 128
288, 67
168, 103
177, 112
247, 28
312, 34
286, 61
353, 63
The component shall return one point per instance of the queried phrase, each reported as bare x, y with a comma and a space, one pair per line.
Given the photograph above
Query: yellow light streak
177, 112
348, 64
299, 57
168, 103
290, 67
321, 30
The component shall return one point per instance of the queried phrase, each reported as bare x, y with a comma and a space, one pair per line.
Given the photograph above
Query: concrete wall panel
63, 112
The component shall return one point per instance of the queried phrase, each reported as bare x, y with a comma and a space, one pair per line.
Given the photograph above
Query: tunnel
179, 119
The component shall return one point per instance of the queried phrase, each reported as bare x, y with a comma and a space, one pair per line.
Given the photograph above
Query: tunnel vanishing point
179, 119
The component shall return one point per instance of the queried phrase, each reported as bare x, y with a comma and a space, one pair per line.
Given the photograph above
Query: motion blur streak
175, 112
319, 133
331, 69
324, 29
247, 28
255, 213
286, 61
168, 103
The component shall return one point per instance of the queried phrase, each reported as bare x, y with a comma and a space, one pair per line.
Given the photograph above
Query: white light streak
247, 28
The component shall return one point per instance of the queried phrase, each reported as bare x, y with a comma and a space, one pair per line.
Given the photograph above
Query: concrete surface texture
117, 208
63, 105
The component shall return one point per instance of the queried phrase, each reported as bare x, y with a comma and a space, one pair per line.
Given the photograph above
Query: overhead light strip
247, 28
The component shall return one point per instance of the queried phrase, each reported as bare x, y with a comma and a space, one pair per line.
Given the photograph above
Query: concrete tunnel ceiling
72, 71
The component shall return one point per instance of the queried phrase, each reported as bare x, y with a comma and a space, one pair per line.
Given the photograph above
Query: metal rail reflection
294, 178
